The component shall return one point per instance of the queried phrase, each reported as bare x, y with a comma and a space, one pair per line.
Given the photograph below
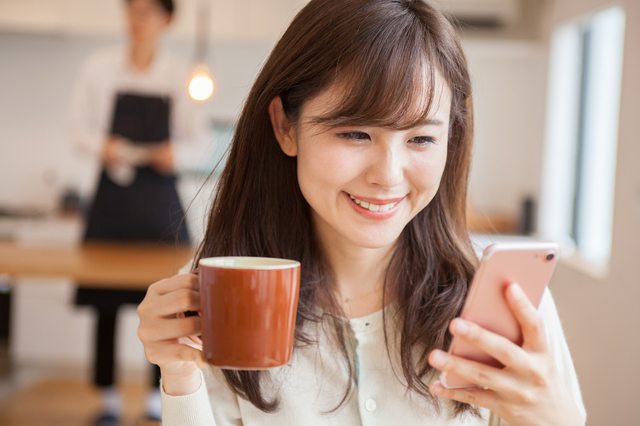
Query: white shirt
107, 72
314, 382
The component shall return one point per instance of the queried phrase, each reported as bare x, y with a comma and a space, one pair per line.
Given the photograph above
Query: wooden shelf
98, 265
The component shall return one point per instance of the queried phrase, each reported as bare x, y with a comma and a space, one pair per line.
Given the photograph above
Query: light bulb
201, 84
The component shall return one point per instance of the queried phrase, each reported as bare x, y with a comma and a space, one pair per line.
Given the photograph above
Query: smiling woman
347, 105
351, 156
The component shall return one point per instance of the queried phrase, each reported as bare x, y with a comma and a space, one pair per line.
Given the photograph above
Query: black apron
148, 210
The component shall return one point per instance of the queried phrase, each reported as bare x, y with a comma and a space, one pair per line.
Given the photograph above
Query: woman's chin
374, 241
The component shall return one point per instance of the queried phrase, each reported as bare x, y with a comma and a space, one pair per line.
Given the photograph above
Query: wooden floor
54, 402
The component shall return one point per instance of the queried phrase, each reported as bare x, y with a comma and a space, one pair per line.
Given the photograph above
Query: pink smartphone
528, 263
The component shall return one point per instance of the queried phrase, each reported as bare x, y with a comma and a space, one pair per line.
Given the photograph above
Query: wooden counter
96, 265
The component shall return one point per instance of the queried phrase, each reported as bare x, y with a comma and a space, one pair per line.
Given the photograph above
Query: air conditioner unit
484, 13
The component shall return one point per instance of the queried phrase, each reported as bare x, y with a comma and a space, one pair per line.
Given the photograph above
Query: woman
352, 155
131, 114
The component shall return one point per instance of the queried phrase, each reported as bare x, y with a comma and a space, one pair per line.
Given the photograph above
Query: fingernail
516, 292
436, 387
460, 326
438, 359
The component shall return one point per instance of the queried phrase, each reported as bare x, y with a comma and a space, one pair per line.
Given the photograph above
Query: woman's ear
282, 128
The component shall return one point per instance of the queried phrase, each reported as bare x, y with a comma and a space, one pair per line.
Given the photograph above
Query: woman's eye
358, 136
422, 140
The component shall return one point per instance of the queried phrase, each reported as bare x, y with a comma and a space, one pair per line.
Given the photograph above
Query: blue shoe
152, 418
106, 419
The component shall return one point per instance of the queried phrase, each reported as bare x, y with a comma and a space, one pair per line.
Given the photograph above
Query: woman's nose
386, 167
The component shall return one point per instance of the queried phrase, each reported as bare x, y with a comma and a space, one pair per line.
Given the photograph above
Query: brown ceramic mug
248, 308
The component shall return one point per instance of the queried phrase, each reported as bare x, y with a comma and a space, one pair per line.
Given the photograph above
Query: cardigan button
359, 325
370, 405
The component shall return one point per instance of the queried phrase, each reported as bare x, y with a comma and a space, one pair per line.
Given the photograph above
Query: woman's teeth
373, 207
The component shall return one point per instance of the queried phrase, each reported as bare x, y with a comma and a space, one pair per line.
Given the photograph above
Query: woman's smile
373, 208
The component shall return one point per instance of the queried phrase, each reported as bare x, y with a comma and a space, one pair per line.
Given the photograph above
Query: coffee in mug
248, 308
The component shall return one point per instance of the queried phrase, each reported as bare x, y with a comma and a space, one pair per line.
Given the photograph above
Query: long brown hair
381, 52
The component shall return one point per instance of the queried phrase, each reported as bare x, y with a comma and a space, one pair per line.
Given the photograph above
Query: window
581, 136
220, 135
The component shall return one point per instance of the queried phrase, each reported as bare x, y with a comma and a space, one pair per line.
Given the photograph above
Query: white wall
601, 316
508, 86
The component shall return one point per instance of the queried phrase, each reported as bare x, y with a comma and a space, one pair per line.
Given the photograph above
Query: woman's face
364, 184
147, 19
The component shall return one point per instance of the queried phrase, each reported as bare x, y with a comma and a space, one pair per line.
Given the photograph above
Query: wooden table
131, 266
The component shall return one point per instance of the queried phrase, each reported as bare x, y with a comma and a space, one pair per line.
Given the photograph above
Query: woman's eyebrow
433, 122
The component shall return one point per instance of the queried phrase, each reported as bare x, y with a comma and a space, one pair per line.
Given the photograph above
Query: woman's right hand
163, 326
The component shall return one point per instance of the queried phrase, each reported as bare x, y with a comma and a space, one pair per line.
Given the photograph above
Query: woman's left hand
529, 389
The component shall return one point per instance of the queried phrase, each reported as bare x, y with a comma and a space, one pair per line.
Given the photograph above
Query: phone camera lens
550, 256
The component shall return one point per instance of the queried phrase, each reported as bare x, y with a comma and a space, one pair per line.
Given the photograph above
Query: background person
131, 115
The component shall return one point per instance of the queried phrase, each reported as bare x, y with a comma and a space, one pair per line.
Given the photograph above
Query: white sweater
314, 383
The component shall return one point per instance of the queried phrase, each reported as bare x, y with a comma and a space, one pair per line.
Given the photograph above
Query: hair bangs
389, 83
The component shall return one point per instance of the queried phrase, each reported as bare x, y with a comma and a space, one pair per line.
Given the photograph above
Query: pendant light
201, 85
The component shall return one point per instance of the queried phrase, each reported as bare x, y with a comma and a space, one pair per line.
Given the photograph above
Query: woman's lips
374, 208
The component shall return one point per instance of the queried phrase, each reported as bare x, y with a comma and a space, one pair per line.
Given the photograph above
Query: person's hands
111, 151
162, 159
164, 330
528, 390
